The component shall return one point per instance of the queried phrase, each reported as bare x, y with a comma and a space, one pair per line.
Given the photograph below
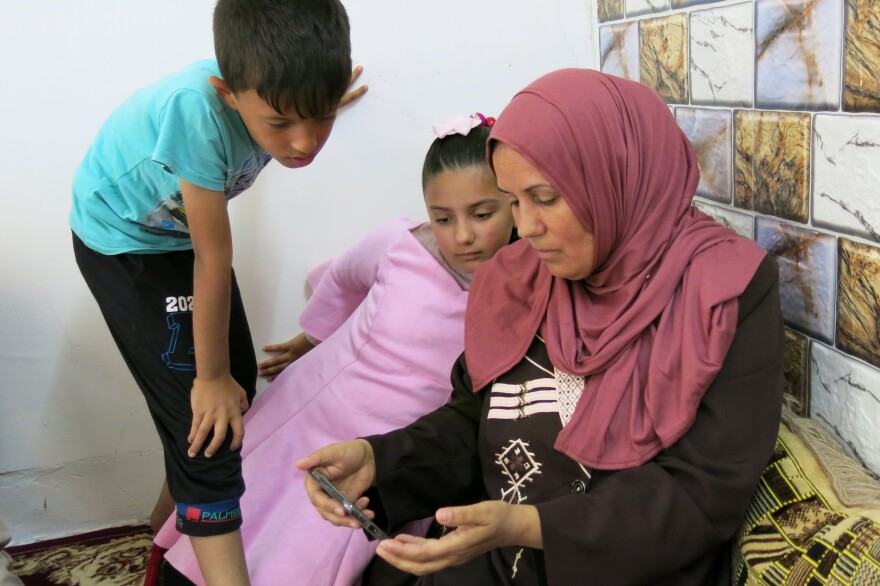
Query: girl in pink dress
381, 332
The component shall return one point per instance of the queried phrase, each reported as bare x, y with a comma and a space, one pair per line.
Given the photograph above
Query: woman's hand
286, 354
478, 528
351, 468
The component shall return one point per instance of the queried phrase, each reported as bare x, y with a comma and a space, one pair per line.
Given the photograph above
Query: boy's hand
216, 405
288, 352
352, 95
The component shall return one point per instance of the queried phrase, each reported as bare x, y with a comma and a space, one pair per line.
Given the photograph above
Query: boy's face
292, 141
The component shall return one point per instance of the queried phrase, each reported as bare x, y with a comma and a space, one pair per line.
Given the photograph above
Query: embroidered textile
792, 536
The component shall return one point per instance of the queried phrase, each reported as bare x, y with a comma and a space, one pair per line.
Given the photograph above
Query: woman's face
542, 217
469, 216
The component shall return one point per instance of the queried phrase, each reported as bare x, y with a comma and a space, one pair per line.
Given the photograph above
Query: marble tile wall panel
686, 3
846, 174
858, 300
722, 50
609, 9
711, 134
807, 275
742, 224
861, 68
772, 163
845, 400
664, 56
619, 50
811, 55
797, 371
799, 47
637, 7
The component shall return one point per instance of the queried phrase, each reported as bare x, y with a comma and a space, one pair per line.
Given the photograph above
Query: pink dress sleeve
341, 284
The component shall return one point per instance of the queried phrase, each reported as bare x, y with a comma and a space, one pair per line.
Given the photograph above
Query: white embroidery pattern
519, 466
509, 401
568, 389
515, 562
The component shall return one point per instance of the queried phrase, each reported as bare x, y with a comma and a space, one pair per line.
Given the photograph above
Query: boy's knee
207, 519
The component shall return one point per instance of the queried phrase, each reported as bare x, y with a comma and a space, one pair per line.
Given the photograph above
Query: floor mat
111, 557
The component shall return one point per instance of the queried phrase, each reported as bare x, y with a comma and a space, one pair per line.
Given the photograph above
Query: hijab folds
651, 325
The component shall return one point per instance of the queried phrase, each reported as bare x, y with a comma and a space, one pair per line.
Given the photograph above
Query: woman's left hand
477, 529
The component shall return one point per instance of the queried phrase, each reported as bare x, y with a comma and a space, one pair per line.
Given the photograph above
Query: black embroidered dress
667, 522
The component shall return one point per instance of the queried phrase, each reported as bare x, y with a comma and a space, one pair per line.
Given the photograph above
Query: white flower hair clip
462, 124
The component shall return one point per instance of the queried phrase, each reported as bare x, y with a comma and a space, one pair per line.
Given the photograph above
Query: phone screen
349, 507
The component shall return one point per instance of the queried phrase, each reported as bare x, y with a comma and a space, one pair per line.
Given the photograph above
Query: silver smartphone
327, 486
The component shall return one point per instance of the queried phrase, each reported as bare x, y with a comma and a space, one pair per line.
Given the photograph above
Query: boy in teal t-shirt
152, 236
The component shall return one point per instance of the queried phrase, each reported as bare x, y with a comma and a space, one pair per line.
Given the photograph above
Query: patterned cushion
798, 533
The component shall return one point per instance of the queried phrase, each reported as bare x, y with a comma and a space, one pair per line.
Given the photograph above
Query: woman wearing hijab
620, 390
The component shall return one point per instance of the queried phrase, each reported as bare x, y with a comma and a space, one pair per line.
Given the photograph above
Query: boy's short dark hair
296, 54
456, 152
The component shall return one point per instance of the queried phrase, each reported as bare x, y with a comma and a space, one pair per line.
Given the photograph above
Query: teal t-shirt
126, 195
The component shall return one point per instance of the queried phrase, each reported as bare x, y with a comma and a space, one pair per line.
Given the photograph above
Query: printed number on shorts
175, 304
181, 353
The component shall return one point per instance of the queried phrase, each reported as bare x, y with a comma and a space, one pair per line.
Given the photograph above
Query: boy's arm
216, 398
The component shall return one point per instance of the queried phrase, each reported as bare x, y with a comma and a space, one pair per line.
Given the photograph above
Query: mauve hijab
650, 327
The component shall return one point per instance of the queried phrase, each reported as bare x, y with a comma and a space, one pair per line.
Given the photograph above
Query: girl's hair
456, 152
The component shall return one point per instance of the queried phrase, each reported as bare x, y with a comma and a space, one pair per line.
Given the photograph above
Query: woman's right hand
286, 353
351, 468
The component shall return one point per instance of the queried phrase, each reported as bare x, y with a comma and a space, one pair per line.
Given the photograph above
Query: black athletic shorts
146, 300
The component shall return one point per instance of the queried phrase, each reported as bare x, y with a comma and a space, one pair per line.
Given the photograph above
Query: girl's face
470, 217
543, 217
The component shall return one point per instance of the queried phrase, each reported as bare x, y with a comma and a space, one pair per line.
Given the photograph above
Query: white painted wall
77, 448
